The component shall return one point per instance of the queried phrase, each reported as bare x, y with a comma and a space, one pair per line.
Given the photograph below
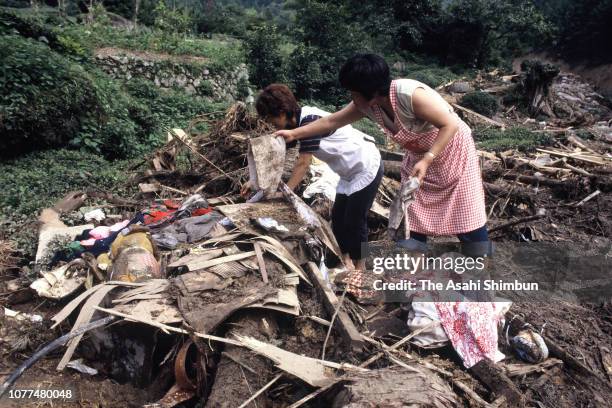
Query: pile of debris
547, 186
207, 299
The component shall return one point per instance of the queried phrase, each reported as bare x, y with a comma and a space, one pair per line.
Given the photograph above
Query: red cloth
201, 211
157, 216
171, 204
451, 198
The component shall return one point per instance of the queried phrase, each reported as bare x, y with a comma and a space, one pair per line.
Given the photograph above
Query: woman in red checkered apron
440, 152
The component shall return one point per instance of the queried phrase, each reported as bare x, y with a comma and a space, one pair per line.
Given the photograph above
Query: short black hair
367, 74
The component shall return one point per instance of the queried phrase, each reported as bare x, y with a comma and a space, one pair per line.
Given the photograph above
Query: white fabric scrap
422, 314
96, 214
323, 181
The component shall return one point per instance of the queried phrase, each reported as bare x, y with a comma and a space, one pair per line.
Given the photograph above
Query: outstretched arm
431, 110
325, 125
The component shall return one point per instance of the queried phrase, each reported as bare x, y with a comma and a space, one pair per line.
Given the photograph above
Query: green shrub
370, 128
480, 102
432, 76
512, 138
305, 72
45, 30
49, 100
264, 56
39, 179
44, 97
176, 21
205, 88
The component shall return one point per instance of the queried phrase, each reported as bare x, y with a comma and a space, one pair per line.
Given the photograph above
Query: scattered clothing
194, 205
165, 240
96, 214
472, 329
187, 230
98, 246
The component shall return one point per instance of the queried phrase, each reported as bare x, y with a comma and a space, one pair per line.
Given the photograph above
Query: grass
370, 128
221, 50
37, 180
512, 138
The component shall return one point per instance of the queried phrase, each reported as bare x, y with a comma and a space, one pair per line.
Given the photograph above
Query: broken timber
345, 325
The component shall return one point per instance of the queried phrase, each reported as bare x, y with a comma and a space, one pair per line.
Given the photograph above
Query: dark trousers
350, 217
478, 235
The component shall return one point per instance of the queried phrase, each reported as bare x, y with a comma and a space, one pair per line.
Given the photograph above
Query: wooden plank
194, 257
581, 157
197, 264
345, 325
310, 370
261, 262
478, 116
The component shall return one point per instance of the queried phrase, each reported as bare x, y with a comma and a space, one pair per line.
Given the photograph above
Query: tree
584, 29
176, 21
264, 56
484, 31
327, 37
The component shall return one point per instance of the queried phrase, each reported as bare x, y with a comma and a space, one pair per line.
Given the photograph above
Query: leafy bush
264, 56
35, 28
433, 76
480, 102
50, 101
38, 180
305, 72
44, 96
512, 138
176, 21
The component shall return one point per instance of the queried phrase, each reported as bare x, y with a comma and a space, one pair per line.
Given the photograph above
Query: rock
460, 87
399, 66
19, 293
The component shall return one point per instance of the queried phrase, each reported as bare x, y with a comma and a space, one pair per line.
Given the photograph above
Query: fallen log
396, 387
478, 116
515, 191
536, 180
393, 169
492, 376
516, 222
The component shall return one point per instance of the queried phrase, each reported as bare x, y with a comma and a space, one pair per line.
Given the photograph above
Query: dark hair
276, 99
367, 74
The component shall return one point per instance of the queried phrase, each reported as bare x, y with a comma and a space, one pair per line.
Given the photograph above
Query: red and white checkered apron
450, 201
451, 198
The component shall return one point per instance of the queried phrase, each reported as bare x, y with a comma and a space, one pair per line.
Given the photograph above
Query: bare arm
299, 170
325, 125
431, 110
